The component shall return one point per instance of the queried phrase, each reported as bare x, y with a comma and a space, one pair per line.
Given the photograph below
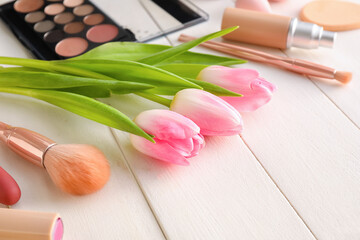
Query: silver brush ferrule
308, 35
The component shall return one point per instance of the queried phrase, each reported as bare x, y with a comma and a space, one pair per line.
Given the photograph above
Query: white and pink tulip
177, 137
256, 90
213, 115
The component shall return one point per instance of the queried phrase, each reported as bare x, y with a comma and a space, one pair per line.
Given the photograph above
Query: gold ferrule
26, 143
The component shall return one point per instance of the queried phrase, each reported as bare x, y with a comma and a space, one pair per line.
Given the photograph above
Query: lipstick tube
274, 30
29, 225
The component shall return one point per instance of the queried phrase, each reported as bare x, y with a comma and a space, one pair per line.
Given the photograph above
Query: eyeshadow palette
59, 29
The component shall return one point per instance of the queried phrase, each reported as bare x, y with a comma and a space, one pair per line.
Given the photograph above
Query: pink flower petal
165, 124
199, 143
160, 150
182, 146
256, 91
209, 112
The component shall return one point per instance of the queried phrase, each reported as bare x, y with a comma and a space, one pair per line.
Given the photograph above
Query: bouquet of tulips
208, 95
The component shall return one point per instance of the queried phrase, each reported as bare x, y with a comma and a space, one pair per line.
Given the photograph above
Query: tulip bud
256, 91
213, 115
177, 137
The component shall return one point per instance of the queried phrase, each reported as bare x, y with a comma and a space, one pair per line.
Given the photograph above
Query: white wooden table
293, 174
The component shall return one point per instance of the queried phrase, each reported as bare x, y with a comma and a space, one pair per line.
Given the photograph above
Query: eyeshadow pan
64, 18
94, 19
26, 6
70, 47
54, 9
74, 27
54, 36
102, 33
34, 17
73, 3
44, 26
83, 10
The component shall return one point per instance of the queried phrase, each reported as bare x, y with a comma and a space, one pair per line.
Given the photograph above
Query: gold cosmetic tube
274, 30
29, 225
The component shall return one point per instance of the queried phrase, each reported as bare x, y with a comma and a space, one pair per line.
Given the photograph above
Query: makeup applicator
295, 65
77, 169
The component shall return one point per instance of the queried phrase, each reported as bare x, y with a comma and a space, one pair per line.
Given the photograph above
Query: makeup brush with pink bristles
77, 169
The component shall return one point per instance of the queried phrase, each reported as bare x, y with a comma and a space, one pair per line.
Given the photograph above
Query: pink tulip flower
177, 137
256, 91
213, 115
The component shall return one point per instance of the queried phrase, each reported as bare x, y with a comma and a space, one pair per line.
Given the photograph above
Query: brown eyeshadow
44, 26
54, 36
83, 10
26, 6
34, 17
73, 3
74, 27
54, 9
102, 33
64, 18
70, 47
94, 19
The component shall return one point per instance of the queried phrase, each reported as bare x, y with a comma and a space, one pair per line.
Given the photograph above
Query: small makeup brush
77, 169
294, 65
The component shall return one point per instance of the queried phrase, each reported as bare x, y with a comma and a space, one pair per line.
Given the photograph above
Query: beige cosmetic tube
274, 30
29, 225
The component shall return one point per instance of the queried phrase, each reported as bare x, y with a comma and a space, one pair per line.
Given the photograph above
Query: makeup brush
77, 169
294, 65
9, 190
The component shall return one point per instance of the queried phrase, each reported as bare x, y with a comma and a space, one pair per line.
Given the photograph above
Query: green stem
19, 91
51, 65
155, 98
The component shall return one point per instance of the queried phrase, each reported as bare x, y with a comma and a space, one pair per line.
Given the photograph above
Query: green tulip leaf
134, 51
89, 91
124, 70
85, 107
48, 80
185, 70
174, 51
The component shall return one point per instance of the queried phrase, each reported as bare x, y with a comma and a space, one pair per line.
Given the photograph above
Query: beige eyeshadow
94, 19
26, 6
44, 26
74, 27
83, 10
73, 3
70, 47
64, 18
54, 9
34, 17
